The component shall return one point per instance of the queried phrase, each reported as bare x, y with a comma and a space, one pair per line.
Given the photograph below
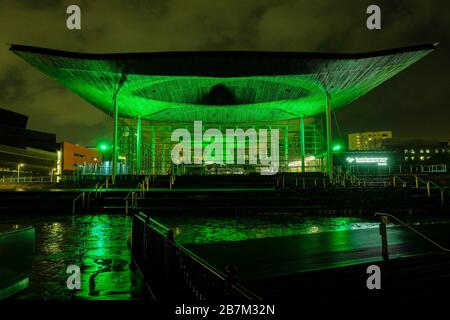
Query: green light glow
337, 147
163, 96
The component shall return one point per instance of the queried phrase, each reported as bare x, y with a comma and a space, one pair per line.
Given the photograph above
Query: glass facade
153, 154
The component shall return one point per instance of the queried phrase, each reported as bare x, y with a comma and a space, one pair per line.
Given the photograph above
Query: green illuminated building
150, 94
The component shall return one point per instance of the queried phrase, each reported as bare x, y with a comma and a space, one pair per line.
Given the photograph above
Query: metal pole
163, 154
115, 138
329, 136
153, 151
286, 147
138, 145
383, 233
302, 142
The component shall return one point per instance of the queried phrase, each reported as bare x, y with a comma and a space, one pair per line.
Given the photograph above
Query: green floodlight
104, 147
337, 148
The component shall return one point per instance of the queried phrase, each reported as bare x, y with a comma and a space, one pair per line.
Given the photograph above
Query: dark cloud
414, 103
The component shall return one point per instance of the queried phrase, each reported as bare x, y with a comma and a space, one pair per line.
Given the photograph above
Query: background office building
367, 140
74, 157
23, 151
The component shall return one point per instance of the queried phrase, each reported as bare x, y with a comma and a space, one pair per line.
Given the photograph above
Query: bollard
383, 233
82, 199
442, 197
393, 181
428, 188
126, 206
417, 182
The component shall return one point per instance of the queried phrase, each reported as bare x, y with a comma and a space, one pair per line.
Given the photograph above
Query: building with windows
23, 151
73, 157
149, 95
418, 151
369, 140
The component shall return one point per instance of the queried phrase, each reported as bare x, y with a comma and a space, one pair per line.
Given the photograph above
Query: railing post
168, 274
126, 206
83, 199
231, 279
383, 233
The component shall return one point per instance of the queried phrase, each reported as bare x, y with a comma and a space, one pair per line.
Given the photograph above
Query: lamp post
18, 170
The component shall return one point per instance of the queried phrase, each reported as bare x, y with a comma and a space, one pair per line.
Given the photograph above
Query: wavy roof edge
261, 54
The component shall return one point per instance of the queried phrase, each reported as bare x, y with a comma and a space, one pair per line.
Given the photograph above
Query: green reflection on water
233, 228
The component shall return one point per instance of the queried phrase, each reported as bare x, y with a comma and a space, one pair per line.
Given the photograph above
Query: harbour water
99, 245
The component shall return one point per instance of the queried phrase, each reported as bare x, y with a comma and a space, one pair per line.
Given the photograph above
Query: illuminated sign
381, 161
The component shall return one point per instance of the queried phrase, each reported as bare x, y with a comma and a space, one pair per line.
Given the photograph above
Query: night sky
414, 103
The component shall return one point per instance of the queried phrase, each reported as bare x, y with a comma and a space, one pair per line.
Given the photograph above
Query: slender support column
329, 136
115, 138
286, 147
122, 80
153, 151
138, 145
163, 154
302, 142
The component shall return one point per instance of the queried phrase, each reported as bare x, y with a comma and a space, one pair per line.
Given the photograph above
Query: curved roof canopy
220, 87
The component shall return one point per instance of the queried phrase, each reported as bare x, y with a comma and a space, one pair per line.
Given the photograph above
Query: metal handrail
199, 261
399, 179
134, 196
81, 195
412, 229
430, 182
100, 188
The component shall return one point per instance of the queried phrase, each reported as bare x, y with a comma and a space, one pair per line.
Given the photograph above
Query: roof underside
220, 87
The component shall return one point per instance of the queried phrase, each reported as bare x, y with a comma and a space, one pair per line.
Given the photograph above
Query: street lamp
18, 170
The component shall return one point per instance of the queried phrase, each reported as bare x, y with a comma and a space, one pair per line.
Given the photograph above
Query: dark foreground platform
333, 263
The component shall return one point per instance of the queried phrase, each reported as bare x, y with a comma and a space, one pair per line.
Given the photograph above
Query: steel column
302, 142
115, 138
138, 145
329, 136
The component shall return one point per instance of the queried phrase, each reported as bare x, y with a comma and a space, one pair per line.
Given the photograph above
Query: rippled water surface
234, 228
99, 244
